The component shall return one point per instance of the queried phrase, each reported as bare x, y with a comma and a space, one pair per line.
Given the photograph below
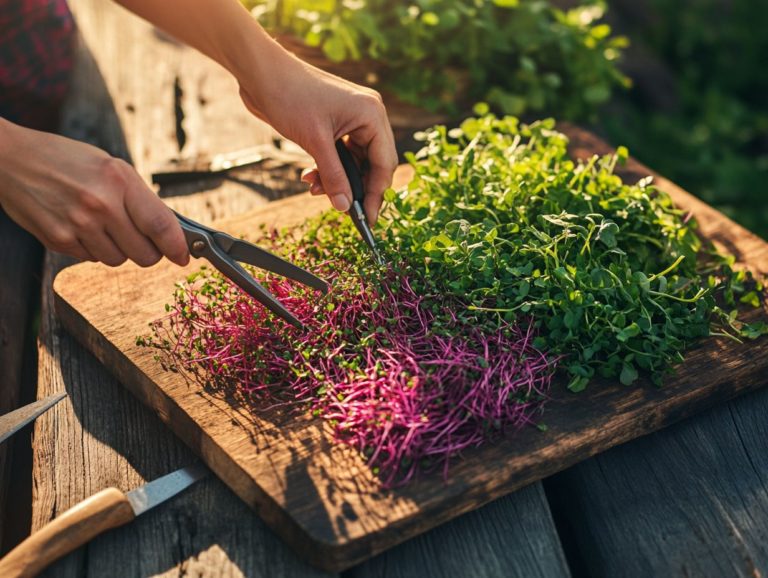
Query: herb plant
521, 55
613, 275
709, 132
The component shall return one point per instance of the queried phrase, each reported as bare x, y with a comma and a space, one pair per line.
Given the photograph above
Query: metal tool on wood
13, 421
224, 251
184, 170
80, 524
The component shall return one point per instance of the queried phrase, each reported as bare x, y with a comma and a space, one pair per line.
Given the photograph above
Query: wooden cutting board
321, 497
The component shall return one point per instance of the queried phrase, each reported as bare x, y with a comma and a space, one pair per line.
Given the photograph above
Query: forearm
304, 104
220, 29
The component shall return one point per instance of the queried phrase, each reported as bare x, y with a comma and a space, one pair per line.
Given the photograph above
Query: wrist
263, 68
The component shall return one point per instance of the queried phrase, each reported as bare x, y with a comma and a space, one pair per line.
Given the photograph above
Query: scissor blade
247, 253
13, 421
358, 218
238, 275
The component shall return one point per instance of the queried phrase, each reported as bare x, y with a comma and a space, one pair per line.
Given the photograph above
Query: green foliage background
713, 140
563, 58
520, 55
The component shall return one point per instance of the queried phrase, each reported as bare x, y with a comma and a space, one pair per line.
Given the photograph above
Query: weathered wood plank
513, 536
20, 266
690, 500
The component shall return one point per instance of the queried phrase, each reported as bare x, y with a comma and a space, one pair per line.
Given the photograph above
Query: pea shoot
613, 274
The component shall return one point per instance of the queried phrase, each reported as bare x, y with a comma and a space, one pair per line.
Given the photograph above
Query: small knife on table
80, 524
13, 421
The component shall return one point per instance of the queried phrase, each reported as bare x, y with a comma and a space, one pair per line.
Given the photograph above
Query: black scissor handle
354, 174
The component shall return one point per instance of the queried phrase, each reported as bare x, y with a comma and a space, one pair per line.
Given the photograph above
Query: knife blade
103, 511
13, 421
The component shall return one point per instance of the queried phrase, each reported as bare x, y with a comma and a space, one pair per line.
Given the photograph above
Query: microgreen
506, 261
406, 377
613, 274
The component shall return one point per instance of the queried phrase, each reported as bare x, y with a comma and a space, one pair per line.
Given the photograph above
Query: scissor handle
354, 174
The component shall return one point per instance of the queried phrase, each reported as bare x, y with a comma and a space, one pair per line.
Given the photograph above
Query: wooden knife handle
80, 524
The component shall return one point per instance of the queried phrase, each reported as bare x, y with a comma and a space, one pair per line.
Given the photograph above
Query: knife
108, 509
13, 421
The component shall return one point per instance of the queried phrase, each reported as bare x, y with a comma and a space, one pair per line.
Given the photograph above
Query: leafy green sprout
613, 275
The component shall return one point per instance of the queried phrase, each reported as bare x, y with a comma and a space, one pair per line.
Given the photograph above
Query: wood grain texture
512, 536
20, 265
77, 526
320, 497
690, 500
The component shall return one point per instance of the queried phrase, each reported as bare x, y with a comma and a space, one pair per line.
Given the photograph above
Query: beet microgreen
402, 375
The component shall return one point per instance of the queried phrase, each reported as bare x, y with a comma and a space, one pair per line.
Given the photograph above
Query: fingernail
340, 202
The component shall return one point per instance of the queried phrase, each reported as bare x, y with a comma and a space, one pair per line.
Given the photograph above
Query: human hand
78, 200
313, 109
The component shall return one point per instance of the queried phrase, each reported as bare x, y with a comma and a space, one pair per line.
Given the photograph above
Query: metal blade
13, 421
238, 159
361, 224
240, 277
253, 255
150, 495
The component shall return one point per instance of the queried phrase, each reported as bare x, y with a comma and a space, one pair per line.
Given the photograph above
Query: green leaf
578, 384
607, 233
628, 374
481, 108
430, 19
631, 330
335, 48
751, 298
754, 330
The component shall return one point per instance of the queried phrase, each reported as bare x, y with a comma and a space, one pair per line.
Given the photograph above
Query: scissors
224, 251
356, 211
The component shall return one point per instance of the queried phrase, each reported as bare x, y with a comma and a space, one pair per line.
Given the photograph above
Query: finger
157, 222
137, 247
317, 188
312, 178
360, 152
382, 158
310, 175
103, 249
62, 240
334, 179
77, 251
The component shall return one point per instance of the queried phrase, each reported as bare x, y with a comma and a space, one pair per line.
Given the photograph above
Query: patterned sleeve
36, 58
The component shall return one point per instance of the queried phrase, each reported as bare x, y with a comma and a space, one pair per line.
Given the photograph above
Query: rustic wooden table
689, 500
